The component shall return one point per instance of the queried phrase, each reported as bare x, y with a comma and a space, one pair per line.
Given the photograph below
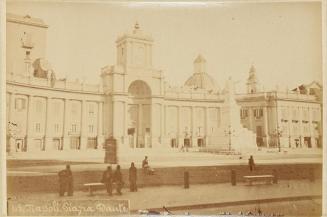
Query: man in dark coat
251, 163
132, 177
107, 180
66, 181
62, 182
118, 177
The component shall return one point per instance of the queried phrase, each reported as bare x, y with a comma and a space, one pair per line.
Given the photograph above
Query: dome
202, 81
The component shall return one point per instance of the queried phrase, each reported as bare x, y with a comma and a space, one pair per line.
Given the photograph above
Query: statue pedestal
232, 132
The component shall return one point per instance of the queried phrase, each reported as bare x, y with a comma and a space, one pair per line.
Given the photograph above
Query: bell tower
134, 49
252, 81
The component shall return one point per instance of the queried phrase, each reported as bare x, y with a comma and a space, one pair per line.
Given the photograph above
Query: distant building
134, 104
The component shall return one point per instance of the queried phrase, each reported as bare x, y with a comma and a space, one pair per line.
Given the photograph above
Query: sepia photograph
210, 108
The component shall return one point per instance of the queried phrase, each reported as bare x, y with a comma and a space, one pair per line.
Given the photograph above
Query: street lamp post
279, 134
12, 133
229, 132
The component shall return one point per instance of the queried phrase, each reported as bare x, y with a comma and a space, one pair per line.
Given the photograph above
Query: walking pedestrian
251, 163
118, 180
107, 180
132, 177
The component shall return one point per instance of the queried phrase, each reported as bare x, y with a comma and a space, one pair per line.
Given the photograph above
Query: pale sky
282, 40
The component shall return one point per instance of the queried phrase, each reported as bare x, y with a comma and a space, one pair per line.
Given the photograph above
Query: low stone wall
168, 176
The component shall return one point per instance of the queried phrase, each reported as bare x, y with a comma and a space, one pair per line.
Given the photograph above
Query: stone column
12, 145
154, 122
266, 130
312, 135
30, 127
162, 129
193, 129
165, 136
117, 121
125, 130
150, 54
28, 64
48, 137
100, 137
206, 126
140, 138
179, 127
84, 126
301, 128
251, 117
66, 128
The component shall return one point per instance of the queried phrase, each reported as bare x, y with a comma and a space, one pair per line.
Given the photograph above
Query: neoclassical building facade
134, 105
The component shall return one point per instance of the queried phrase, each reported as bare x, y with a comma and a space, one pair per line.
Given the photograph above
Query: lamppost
199, 137
229, 132
186, 140
12, 132
278, 134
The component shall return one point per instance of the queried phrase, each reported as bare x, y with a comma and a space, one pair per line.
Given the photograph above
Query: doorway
56, 144
139, 115
307, 142
200, 142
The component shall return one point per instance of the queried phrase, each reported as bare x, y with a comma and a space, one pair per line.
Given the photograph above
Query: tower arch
139, 115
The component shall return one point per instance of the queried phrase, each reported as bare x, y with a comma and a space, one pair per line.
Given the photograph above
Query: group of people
109, 178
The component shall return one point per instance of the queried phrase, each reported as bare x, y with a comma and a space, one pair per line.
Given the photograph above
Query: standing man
66, 181
107, 180
132, 177
62, 182
251, 163
70, 186
118, 180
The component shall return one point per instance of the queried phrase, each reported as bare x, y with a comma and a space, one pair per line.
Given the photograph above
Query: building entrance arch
139, 115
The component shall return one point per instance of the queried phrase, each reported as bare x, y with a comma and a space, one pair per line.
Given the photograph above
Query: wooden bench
267, 178
92, 187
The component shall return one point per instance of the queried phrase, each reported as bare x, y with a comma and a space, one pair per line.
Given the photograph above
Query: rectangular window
316, 115
258, 113
91, 110
305, 115
92, 143
295, 114
74, 128
295, 130
37, 127
57, 108
244, 113
20, 104
91, 128
75, 143
38, 106
56, 128
284, 114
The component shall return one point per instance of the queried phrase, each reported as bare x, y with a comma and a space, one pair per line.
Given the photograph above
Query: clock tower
134, 50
